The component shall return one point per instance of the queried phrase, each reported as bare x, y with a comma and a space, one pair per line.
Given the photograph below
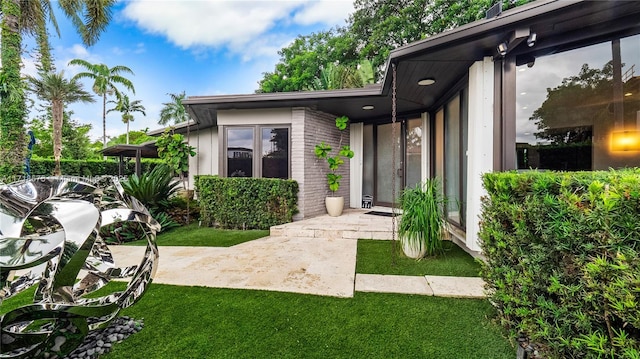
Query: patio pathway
301, 257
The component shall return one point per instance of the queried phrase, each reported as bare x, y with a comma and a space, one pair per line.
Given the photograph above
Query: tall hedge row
88, 168
246, 203
562, 260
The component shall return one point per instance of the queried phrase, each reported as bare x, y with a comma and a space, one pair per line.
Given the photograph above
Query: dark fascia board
148, 149
472, 30
283, 96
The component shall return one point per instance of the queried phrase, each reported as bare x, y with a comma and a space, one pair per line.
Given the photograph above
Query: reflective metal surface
51, 227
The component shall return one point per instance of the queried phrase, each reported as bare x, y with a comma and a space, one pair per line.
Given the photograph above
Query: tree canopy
372, 31
18, 18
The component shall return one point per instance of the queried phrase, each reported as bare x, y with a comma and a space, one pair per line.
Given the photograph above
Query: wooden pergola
144, 150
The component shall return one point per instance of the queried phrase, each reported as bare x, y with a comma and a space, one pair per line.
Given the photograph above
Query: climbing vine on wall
12, 104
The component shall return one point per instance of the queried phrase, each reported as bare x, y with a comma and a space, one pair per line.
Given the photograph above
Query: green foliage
86, 168
277, 325
127, 107
246, 203
302, 63
153, 189
173, 111
135, 138
373, 258
562, 259
175, 152
12, 105
194, 235
105, 80
183, 210
76, 144
322, 151
422, 220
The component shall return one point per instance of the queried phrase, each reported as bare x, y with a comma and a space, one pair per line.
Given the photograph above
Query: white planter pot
415, 250
334, 205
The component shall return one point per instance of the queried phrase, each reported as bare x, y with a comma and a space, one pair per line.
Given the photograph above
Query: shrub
180, 206
562, 264
153, 189
87, 168
246, 203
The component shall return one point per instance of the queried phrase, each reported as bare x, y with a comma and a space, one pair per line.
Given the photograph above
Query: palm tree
18, 18
59, 91
173, 111
127, 108
104, 82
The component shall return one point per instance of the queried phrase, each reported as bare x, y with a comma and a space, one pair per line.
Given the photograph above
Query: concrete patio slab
392, 284
460, 287
300, 265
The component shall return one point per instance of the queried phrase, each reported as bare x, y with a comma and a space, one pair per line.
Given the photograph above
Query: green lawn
376, 257
196, 322
195, 236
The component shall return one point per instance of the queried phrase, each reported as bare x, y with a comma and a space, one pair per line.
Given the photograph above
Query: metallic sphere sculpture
51, 226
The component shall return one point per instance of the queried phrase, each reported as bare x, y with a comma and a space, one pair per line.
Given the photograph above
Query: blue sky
202, 47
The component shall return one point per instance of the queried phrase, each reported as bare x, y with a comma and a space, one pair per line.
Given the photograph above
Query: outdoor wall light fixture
531, 40
625, 141
368, 107
502, 48
427, 81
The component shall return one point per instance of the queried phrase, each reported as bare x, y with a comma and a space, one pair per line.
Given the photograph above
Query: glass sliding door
386, 169
413, 161
379, 170
451, 156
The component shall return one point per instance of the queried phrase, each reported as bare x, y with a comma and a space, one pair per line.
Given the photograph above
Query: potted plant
421, 224
334, 204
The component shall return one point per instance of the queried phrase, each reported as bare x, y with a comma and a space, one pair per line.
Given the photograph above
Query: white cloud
249, 28
329, 12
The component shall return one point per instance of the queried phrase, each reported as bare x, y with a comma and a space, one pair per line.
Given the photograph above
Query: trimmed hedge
246, 203
88, 168
562, 264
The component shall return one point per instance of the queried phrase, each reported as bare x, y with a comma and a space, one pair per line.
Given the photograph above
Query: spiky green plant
153, 189
422, 218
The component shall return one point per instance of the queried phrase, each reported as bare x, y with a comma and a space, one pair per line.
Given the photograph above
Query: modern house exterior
551, 85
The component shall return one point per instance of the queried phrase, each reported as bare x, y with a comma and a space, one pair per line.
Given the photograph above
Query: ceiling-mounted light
368, 107
531, 40
502, 48
427, 81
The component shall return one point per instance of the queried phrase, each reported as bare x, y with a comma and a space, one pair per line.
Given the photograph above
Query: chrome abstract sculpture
52, 227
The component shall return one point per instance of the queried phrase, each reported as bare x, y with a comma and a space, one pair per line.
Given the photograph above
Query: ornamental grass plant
421, 224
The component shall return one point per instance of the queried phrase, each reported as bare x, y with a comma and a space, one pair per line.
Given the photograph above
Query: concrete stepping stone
460, 287
392, 284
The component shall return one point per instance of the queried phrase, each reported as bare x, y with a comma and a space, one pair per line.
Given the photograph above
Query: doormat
378, 213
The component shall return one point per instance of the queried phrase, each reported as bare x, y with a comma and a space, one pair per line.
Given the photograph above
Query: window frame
257, 147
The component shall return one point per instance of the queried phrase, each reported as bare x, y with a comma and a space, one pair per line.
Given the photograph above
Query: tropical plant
175, 152
322, 151
58, 91
153, 189
105, 80
127, 108
421, 224
174, 110
339, 76
90, 18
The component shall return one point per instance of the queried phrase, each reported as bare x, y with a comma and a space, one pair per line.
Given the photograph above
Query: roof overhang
446, 57
145, 150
